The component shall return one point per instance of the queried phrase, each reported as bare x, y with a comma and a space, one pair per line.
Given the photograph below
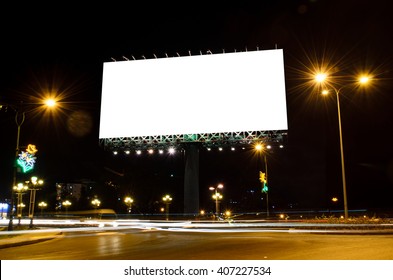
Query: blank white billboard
228, 92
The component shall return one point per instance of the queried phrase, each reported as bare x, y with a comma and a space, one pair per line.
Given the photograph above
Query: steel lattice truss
204, 139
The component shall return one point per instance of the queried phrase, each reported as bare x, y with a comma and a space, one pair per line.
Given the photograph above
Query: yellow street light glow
258, 147
66, 203
50, 102
42, 204
320, 77
217, 196
364, 79
325, 92
167, 198
96, 202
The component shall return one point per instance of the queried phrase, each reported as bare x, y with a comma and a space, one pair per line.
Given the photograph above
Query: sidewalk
25, 237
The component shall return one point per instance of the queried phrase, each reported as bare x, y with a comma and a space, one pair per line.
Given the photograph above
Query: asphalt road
167, 245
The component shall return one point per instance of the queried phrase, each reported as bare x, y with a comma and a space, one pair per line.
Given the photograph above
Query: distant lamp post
20, 189
128, 201
322, 78
167, 200
34, 184
217, 197
20, 206
66, 205
96, 203
42, 205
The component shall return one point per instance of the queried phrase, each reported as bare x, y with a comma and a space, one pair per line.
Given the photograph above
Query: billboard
227, 92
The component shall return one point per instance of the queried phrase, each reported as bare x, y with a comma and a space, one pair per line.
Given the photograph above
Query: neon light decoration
27, 159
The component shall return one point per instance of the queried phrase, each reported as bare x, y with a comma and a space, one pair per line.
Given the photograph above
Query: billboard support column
191, 179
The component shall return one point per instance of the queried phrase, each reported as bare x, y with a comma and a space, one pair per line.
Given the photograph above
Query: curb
26, 239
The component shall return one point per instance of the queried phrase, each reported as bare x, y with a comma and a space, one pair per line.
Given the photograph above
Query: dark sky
62, 47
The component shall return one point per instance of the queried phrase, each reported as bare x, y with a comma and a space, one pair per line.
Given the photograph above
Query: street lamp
321, 79
167, 200
66, 205
217, 197
128, 201
20, 189
42, 205
35, 183
20, 116
96, 203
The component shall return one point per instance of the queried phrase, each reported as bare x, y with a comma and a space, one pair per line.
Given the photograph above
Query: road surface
128, 244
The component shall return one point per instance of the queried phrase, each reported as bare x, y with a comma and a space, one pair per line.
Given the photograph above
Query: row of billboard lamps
173, 150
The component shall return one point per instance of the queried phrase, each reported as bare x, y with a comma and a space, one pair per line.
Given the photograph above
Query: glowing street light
66, 205
96, 203
34, 184
128, 201
42, 205
217, 197
167, 200
19, 189
20, 116
321, 79
50, 102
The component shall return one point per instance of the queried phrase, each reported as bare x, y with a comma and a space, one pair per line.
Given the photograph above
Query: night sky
62, 47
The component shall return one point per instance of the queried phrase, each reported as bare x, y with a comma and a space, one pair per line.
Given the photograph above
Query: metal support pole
19, 124
31, 206
167, 211
342, 158
217, 205
191, 180
267, 193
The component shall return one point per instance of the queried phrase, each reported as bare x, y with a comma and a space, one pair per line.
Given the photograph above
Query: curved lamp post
20, 116
321, 78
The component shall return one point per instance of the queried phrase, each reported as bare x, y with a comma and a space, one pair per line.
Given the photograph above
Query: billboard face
229, 92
